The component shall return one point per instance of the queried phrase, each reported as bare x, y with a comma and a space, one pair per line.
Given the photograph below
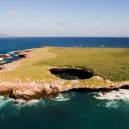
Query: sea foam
23, 103
114, 99
4, 102
61, 97
121, 94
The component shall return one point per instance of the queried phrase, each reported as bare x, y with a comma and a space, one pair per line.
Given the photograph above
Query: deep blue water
72, 110
11, 44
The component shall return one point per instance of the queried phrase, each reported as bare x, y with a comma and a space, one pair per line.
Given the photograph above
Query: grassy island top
109, 63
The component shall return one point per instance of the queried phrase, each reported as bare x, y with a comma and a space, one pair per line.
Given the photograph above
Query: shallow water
71, 110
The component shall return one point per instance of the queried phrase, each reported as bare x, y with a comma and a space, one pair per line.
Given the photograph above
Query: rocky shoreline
36, 89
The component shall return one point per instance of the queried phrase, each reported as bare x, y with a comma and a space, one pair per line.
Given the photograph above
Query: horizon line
64, 37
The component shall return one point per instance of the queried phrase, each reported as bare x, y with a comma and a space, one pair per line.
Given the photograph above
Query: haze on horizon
64, 18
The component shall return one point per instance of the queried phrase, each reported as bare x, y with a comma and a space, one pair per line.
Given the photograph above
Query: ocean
70, 110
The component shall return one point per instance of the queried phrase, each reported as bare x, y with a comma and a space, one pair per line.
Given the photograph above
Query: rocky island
45, 72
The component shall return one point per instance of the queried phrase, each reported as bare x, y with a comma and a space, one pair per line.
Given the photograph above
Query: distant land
4, 35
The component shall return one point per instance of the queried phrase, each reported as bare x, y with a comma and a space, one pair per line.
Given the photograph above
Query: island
47, 71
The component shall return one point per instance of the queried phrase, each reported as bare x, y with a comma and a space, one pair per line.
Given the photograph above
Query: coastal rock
1, 67
4, 55
36, 90
22, 55
29, 93
33, 90
6, 91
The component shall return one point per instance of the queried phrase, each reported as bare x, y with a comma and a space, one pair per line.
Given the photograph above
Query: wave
62, 97
114, 99
17, 103
4, 102
121, 94
23, 103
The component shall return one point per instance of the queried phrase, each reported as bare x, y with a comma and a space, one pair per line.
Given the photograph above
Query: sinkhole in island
71, 73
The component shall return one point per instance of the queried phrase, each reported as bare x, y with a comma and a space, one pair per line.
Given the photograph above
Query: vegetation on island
108, 63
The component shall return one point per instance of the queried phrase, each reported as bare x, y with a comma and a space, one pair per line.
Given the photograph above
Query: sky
65, 18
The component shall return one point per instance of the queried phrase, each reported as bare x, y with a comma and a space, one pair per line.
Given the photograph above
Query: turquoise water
71, 110
74, 110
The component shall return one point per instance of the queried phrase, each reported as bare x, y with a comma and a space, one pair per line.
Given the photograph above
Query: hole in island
71, 73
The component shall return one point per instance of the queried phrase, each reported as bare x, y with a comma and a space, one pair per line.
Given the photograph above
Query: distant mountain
4, 35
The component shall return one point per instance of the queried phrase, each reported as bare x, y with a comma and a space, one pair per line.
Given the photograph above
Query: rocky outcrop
21, 53
35, 90
28, 90
50, 88
34, 94
6, 91
4, 55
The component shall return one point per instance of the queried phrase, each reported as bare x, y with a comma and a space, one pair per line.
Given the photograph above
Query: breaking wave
121, 94
18, 103
4, 102
23, 103
26, 103
114, 99
63, 97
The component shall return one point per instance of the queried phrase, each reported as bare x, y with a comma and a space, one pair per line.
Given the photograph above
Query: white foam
61, 97
114, 99
4, 101
112, 104
2, 62
33, 101
18, 103
121, 94
23, 103
12, 52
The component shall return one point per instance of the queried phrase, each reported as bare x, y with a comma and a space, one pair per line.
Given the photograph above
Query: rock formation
35, 90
